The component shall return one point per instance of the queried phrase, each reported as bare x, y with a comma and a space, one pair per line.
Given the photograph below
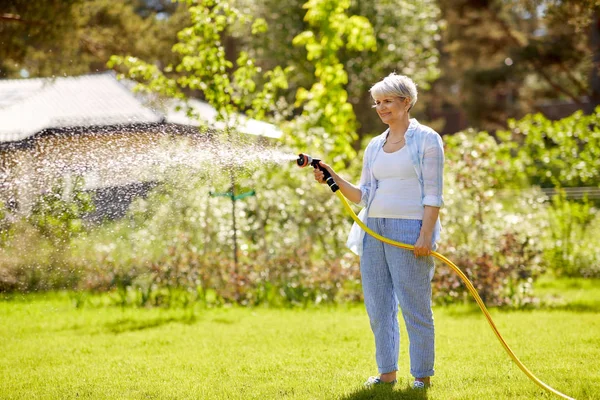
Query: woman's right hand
350, 191
319, 175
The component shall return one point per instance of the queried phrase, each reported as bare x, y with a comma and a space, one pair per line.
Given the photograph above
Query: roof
30, 106
208, 114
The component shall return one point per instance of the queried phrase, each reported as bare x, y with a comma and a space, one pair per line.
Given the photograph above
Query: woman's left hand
423, 246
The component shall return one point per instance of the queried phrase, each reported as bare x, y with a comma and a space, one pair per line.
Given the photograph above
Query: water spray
304, 160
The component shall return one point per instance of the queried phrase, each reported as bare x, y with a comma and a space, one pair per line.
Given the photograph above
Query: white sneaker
419, 385
375, 380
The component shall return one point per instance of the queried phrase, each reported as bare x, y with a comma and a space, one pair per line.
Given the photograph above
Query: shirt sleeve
433, 171
365, 177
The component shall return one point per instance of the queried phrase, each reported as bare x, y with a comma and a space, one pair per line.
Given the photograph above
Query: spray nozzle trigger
305, 160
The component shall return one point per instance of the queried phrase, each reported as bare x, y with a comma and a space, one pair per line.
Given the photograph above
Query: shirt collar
412, 127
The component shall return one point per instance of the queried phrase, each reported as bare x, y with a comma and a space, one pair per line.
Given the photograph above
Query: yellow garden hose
469, 285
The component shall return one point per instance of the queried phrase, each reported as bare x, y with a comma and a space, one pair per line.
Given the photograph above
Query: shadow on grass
574, 307
131, 324
387, 392
458, 311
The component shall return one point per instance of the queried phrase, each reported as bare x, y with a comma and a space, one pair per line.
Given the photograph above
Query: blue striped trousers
392, 276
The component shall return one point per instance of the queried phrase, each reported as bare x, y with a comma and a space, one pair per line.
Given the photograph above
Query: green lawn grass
51, 350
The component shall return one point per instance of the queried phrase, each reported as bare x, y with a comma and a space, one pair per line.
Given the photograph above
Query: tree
25, 25
203, 66
504, 57
563, 153
325, 105
595, 68
406, 35
76, 37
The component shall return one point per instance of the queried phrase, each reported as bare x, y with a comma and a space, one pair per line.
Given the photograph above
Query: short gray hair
396, 85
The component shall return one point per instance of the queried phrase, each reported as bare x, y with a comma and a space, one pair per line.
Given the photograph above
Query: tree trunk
595, 72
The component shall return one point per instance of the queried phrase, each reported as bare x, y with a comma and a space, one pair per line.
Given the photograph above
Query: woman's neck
399, 128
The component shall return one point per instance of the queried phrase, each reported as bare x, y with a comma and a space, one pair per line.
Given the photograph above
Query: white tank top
398, 193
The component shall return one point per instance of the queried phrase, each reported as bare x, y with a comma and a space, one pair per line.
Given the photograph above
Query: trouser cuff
387, 369
422, 374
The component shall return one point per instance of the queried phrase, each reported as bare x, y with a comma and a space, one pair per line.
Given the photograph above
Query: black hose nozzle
304, 160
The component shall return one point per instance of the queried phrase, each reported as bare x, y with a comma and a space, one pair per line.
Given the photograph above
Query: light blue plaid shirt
427, 155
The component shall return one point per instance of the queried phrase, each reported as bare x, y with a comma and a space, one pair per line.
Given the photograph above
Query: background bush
495, 237
175, 246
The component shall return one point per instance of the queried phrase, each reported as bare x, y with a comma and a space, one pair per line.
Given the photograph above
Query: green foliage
204, 66
406, 34
572, 249
175, 247
563, 153
325, 105
76, 37
58, 214
178, 244
494, 240
37, 252
25, 25
499, 226
503, 59
5, 231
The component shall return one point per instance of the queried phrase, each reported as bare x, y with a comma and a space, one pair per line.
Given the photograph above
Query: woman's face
391, 108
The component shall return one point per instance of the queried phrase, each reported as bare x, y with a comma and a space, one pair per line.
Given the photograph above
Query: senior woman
401, 191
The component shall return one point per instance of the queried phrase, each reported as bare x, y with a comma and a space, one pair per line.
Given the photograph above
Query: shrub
176, 246
495, 237
179, 240
563, 153
36, 250
572, 245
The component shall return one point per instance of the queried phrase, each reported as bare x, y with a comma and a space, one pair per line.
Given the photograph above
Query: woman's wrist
426, 234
